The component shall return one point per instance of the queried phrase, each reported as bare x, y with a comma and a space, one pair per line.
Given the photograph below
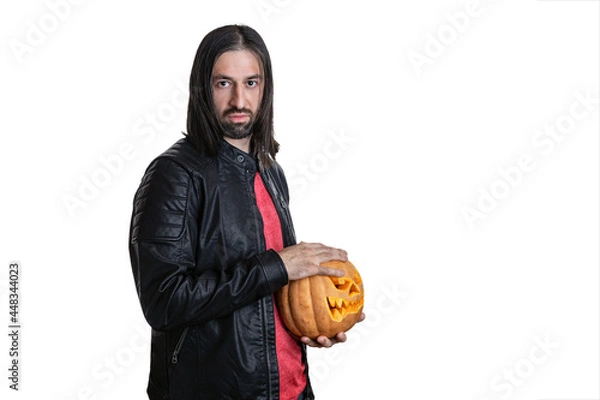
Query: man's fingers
331, 271
321, 341
324, 341
325, 253
337, 254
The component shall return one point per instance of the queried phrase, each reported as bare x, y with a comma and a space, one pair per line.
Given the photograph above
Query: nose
237, 97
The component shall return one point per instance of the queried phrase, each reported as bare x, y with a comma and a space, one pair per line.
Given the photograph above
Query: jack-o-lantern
322, 305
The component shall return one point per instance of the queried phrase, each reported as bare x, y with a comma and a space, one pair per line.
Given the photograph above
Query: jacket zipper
175, 358
264, 311
277, 197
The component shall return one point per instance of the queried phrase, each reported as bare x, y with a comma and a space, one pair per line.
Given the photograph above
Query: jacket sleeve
162, 250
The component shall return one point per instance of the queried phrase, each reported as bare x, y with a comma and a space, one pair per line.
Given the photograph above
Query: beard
237, 130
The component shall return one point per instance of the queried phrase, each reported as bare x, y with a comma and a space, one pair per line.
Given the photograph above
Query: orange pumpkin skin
322, 305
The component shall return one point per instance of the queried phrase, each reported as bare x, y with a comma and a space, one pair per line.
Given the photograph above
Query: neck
242, 144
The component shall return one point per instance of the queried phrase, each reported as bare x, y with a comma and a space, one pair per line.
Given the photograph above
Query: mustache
237, 111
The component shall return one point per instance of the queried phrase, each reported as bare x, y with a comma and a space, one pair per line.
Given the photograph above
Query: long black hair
203, 128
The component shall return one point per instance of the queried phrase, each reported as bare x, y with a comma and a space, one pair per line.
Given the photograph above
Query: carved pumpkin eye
322, 305
340, 283
344, 284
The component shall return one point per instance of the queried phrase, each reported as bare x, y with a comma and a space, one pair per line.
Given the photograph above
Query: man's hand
305, 259
324, 341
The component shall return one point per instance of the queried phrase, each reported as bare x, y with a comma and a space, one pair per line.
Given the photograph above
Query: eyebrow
251, 77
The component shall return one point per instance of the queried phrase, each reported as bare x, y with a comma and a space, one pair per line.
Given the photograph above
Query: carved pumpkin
322, 305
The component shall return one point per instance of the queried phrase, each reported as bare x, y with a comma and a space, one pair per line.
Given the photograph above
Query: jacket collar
237, 157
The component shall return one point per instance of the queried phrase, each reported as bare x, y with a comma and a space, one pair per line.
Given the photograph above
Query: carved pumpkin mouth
350, 303
339, 308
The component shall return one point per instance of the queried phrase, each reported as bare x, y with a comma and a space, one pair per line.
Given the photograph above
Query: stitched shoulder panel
186, 155
160, 203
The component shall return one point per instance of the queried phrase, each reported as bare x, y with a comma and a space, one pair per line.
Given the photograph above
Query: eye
342, 284
222, 84
252, 83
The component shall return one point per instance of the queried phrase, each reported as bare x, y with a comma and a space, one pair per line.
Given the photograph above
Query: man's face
238, 83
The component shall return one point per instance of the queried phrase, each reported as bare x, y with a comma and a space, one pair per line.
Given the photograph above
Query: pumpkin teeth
331, 302
336, 315
340, 308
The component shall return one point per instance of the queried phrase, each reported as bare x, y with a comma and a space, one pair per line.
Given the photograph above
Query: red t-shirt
292, 380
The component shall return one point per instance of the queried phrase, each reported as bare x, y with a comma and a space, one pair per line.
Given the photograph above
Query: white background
453, 308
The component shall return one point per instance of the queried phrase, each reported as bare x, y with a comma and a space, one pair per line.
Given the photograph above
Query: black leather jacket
204, 280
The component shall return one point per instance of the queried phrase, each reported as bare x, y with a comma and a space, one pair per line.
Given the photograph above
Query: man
212, 239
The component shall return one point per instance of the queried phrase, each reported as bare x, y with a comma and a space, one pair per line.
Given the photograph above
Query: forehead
237, 64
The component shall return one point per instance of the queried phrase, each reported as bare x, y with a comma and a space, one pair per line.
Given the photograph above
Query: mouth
339, 308
238, 117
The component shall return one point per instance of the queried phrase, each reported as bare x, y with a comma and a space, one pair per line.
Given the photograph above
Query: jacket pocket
182, 367
175, 356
